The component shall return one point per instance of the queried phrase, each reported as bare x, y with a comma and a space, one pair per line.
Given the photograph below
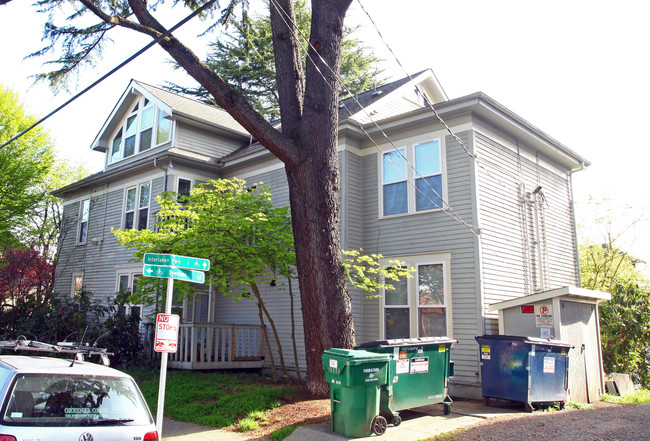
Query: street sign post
170, 272
171, 267
192, 263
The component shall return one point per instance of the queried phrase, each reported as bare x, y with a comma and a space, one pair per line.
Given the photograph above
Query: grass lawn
215, 399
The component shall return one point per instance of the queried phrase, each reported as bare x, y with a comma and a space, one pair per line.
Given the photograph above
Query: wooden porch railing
218, 346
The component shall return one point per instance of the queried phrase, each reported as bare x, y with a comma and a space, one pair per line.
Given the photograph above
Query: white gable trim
133, 90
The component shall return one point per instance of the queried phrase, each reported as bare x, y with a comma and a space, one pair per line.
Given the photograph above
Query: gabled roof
378, 103
373, 103
178, 106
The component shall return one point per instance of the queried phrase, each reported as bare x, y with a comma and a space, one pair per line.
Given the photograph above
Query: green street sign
192, 263
169, 272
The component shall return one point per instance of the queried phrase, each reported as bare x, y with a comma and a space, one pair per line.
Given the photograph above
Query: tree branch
233, 102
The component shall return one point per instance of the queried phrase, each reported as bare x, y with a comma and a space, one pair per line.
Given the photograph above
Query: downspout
575, 227
164, 169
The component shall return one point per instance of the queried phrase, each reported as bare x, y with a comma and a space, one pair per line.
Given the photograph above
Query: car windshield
71, 400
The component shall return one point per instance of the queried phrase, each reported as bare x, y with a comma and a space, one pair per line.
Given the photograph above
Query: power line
112, 71
450, 212
428, 103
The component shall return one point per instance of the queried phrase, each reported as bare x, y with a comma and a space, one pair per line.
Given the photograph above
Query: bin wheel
379, 425
528, 407
397, 420
447, 410
487, 401
561, 405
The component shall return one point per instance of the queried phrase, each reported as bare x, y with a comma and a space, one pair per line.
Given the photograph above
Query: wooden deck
218, 346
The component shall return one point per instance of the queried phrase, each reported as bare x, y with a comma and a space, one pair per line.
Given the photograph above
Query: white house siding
277, 299
100, 263
204, 142
507, 227
427, 233
364, 311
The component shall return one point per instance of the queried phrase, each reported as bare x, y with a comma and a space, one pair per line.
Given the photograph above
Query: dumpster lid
523, 339
407, 342
354, 356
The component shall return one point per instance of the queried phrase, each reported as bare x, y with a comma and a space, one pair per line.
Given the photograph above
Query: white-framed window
419, 306
127, 281
84, 215
77, 283
137, 202
412, 179
146, 126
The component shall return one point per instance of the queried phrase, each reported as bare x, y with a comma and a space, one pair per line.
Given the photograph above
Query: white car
58, 399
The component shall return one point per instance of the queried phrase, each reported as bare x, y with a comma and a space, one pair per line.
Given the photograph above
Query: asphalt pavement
417, 424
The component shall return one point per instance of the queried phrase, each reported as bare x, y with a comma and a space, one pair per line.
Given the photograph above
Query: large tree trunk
314, 185
308, 147
326, 310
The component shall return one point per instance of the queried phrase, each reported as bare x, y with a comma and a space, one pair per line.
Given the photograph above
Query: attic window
145, 127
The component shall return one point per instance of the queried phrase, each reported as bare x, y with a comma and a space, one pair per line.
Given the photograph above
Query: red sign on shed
528, 309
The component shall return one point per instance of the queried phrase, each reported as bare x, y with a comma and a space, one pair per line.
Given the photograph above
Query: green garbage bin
355, 378
418, 373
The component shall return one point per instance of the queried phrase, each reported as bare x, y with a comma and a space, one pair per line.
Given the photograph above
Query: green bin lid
420, 341
355, 357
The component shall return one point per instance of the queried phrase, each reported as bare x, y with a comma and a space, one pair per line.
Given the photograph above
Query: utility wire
450, 211
112, 71
430, 105
485, 246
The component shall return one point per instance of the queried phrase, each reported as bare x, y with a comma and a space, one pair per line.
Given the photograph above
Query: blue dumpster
525, 369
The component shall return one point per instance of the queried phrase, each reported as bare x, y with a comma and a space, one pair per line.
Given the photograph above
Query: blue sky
577, 70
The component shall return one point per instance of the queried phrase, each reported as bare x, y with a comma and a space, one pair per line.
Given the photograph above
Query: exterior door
579, 328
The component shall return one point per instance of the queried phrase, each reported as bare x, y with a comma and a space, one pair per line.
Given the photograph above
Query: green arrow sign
168, 272
192, 263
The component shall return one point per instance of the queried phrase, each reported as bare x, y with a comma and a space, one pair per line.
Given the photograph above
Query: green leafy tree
625, 319
248, 241
306, 142
604, 261
42, 226
234, 226
368, 274
604, 267
24, 165
625, 332
244, 59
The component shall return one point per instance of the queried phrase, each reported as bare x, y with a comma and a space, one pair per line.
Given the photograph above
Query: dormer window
145, 127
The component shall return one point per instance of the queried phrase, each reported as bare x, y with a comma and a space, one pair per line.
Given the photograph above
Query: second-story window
84, 214
412, 179
136, 207
395, 186
146, 126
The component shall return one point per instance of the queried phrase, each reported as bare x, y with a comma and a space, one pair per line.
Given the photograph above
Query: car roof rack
79, 350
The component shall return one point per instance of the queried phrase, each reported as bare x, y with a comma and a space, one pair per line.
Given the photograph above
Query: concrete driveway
421, 423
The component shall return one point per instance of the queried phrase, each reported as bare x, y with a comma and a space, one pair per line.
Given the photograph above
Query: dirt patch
301, 409
603, 422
